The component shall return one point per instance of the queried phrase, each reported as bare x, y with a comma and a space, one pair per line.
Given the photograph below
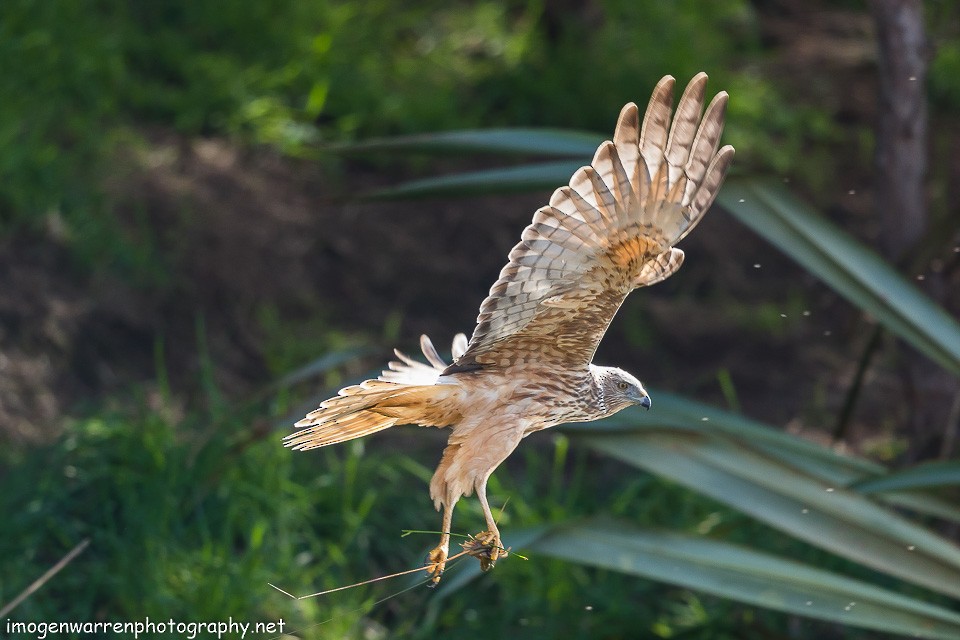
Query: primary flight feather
528, 365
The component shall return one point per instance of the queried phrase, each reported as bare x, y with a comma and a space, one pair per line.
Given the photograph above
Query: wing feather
610, 230
685, 126
656, 123
611, 171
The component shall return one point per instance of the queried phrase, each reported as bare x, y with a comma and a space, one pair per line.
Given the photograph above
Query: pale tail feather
406, 393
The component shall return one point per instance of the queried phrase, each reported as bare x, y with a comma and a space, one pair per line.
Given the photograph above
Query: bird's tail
408, 393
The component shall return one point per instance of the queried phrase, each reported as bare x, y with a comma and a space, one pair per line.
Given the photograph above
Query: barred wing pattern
611, 230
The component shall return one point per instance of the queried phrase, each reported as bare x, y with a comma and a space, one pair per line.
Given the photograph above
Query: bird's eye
622, 386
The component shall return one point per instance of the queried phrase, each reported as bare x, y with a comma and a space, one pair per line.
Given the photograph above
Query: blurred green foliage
78, 79
943, 20
75, 77
56, 64
191, 517
185, 520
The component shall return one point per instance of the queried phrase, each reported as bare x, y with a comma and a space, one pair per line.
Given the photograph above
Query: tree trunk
901, 153
901, 202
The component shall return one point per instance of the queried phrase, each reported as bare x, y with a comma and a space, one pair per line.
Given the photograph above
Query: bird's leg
489, 539
437, 559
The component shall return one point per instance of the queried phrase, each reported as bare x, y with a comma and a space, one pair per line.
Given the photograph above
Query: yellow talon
436, 563
486, 547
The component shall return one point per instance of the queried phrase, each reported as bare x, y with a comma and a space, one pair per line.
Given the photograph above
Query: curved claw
486, 547
436, 563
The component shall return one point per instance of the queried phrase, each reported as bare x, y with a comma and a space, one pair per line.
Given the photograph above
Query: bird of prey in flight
528, 365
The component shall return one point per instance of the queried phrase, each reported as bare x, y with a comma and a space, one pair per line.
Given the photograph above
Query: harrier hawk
528, 365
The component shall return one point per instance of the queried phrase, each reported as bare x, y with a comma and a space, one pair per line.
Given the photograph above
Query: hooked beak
640, 397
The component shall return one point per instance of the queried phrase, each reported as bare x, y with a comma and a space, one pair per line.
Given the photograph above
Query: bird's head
619, 390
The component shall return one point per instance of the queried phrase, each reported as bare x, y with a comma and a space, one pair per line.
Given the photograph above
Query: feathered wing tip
406, 393
682, 166
658, 173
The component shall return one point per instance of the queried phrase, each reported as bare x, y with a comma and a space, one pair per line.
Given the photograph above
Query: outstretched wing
612, 229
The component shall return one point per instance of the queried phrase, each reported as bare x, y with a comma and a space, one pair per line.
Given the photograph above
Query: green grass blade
922, 503
325, 363
847, 266
770, 210
469, 569
737, 573
528, 177
840, 521
924, 476
539, 142
675, 412
727, 571
684, 415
